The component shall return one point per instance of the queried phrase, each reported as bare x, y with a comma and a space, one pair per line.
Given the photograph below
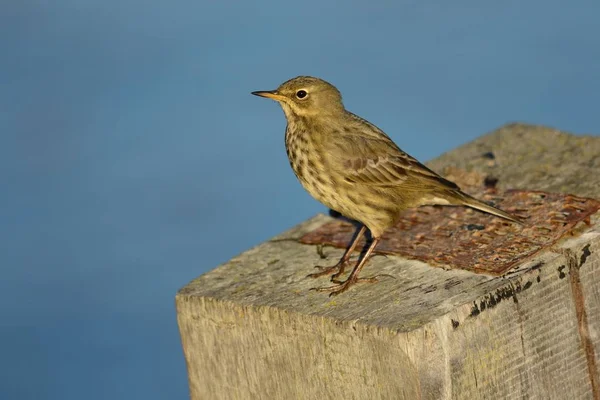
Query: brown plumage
353, 167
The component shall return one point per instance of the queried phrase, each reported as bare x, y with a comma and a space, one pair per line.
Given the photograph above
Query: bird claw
336, 269
372, 279
341, 287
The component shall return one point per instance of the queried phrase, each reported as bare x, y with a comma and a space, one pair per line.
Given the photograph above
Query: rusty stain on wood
458, 237
582, 318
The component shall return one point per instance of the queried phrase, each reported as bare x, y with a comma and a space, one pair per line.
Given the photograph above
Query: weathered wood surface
251, 328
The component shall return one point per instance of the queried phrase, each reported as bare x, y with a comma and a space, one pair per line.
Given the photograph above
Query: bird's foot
336, 270
371, 279
341, 287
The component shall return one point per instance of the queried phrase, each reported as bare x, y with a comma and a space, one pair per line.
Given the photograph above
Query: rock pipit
353, 167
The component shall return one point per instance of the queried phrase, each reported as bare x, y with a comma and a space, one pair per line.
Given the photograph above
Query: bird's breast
312, 165
309, 162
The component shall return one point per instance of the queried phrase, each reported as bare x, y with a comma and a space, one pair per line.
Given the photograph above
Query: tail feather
472, 202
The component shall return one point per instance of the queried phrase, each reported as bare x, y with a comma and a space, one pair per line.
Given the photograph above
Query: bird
353, 167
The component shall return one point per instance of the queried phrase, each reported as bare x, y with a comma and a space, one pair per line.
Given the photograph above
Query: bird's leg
338, 269
353, 278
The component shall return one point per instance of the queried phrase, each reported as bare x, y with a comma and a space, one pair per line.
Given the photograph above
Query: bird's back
367, 155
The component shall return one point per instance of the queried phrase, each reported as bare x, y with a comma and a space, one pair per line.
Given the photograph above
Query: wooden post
251, 329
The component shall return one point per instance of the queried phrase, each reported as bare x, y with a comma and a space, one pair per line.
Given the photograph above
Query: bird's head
306, 96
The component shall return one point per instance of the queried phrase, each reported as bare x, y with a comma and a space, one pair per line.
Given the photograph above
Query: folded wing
374, 159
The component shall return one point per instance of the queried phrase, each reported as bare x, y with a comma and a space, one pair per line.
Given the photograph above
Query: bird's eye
301, 94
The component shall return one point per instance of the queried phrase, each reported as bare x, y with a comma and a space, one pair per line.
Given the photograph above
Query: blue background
133, 158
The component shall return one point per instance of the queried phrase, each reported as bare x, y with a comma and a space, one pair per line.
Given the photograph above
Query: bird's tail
472, 202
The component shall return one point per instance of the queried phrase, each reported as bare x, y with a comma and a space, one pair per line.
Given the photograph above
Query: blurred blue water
133, 158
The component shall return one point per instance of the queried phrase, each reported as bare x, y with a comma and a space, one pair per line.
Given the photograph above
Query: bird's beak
271, 94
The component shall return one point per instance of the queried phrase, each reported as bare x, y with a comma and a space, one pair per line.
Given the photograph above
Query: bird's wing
374, 159
388, 170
